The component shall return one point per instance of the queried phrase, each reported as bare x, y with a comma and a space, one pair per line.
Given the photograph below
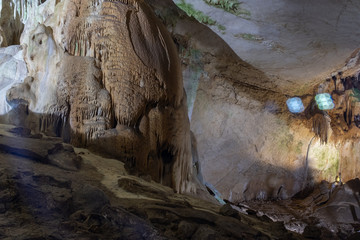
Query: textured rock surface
248, 144
100, 200
11, 25
329, 210
106, 75
12, 71
296, 44
124, 98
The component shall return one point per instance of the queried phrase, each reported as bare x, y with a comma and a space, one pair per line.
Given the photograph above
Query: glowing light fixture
295, 105
324, 101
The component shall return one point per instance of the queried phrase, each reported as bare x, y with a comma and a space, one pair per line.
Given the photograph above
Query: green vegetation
299, 147
327, 160
231, 6
356, 94
198, 15
249, 37
221, 27
285, 140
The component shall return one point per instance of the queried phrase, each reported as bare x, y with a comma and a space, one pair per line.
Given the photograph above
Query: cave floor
50, 190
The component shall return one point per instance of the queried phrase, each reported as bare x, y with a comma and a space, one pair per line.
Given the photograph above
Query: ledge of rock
21, 142
43, 200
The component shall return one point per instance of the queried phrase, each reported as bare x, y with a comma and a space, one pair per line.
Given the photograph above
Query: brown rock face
10, 24
249, 145
105, 74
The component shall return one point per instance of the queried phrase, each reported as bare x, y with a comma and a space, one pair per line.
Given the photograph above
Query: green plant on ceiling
231, 6
198, 15
249, 37
355, 94
228, 5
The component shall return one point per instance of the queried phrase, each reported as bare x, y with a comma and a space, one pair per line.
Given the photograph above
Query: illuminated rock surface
13, 71
95, 81
249, 145
105, 75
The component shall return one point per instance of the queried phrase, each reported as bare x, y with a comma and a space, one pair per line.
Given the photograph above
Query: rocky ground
327, 210
49, 190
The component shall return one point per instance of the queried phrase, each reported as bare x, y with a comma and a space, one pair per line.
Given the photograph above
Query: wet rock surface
41, 200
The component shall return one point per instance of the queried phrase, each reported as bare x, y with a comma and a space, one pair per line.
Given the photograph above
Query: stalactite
321, 126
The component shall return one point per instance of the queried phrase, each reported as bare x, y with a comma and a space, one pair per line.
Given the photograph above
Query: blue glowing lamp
324, 101
295, 105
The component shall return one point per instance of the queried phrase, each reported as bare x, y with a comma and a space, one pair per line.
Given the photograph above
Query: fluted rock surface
105, 74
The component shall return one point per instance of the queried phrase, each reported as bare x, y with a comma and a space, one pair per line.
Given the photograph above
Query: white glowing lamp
295, 105
324, 101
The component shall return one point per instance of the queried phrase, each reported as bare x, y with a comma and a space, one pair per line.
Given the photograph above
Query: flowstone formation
106, 75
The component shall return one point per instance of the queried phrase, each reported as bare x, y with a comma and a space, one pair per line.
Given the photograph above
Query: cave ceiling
293, 42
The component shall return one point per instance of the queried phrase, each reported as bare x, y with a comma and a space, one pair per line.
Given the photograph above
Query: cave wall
106, 75
249, 145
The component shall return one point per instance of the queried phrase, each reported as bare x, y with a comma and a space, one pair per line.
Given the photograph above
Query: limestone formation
12, 71
106, 75
11, 25
248, 143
